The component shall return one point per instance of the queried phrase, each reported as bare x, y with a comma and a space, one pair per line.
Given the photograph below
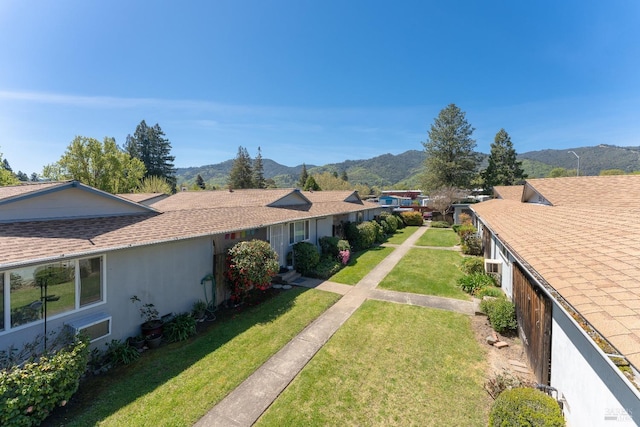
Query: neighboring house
91, 251
567, 251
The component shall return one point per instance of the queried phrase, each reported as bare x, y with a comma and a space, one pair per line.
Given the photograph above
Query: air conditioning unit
493, 266
94, 326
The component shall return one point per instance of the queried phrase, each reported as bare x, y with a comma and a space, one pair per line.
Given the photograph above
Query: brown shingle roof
586, 250
511, 192
9, 191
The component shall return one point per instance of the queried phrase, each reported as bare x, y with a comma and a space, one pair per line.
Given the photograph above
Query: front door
278, 243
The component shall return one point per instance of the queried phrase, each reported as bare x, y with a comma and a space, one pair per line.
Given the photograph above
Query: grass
177, 384
427, 271
440, 237
392, 365
360, 264
401, 235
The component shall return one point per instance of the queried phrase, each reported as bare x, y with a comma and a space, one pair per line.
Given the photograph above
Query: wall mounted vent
95, 326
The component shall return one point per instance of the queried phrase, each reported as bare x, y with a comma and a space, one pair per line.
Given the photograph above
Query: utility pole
578, 157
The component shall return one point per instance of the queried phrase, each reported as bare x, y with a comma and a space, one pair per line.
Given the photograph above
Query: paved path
244, 405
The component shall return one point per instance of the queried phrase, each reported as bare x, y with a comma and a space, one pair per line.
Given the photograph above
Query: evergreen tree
304, 175
503, 168
344, 176
154, 150
311, 185
22, 176
5, 165
200, 182
34, 177
241, 175
258, 171
6, 176
335, 174
451, 160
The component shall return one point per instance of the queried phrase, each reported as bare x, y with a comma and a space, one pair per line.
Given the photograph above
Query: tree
5, 165
303, 176
503, 168
441, 199
328, 181
6, 176
200, 182
22, 176
451, 160
241, 175
609, 172
258, 171
344, 176
100, 165
34, 177
154, 150
311, 185
250, 265
561, 172
154, 184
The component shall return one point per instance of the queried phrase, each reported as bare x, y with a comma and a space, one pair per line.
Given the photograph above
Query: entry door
278, 244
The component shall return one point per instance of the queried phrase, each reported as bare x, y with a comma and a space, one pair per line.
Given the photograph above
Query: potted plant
152, 323
154, 340
199, 310
137, 342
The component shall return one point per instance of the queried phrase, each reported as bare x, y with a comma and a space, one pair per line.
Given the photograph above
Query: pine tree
200, 182
311, 185
303, 176
22, 176
258, 171
5, 165
503, 168
451, 160
241, 175
34, 177
150, 146
344, 176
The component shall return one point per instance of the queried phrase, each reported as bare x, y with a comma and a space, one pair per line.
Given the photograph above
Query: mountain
404, 170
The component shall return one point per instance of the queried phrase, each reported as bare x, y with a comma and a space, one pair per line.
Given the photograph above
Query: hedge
412, 218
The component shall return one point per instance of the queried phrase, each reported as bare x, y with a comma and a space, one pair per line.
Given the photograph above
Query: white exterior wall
595, 392
324, 227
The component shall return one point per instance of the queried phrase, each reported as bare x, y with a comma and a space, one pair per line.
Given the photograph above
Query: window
61, 287
298, 231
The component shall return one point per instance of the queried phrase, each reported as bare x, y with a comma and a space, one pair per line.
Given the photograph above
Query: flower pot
154, 340
137, 342
152, 327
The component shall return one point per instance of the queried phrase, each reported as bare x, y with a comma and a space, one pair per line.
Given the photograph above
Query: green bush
440, 224
120, 353
472, 245
465, 230
327, 267
368, 234
501, 313
525, 407
399, 222
471, 283
343, 245
28, 393
354, 236
489, 291
182, 327
412, 218
305, 257
472, 265
329, 245
388, 222
250, 265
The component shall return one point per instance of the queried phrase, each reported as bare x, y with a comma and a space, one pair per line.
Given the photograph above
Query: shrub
250, 265
472, 265
368, 234
329, 245
501, 314
525, 407
440, 224
464, 218
28, 393
472, 245
344, 256
343, 245
386, 226
354, 236
120, 353
465, 231
388, 222
471, 283
489, 291
412, 218
182, 327
399, 222
327, 267
305, 257
504, 381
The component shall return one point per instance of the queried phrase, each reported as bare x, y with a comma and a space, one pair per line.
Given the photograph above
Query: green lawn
443, 237
394, 365
427, 271
360, 264
401, 235
177, 384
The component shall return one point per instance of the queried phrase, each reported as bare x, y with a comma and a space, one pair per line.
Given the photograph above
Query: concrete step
286, 278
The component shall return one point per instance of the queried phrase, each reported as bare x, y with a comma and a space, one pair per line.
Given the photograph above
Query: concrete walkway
244, 405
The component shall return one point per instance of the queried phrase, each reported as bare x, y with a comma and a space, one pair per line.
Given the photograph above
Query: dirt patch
511, 359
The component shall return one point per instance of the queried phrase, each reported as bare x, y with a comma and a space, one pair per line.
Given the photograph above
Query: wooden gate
533, 309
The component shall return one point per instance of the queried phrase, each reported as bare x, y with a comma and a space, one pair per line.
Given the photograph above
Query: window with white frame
298, 231
66, 286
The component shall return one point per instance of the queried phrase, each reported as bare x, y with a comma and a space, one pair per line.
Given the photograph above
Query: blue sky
314, 82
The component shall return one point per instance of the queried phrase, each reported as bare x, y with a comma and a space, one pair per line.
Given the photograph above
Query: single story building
567, 252
74, 255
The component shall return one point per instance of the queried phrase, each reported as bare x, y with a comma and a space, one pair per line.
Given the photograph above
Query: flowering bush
343, 256
250, 265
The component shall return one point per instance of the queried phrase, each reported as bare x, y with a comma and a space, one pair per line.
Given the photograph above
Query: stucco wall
595, 393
